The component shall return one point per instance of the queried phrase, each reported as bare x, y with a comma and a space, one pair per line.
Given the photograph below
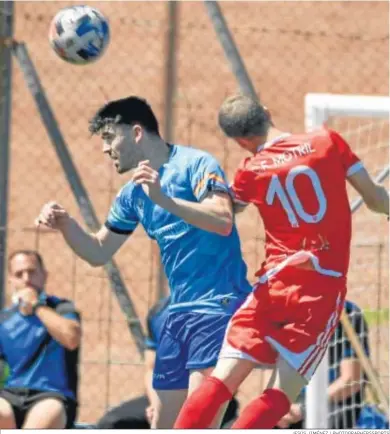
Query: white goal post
318, 109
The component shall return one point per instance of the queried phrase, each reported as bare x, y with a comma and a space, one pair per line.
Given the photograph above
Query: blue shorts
189, 340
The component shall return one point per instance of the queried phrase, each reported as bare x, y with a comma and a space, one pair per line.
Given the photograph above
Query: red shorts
293, 314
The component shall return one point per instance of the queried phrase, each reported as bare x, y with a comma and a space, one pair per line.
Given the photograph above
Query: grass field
376, 316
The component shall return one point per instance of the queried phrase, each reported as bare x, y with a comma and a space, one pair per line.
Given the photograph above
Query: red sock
203, 404
264, 412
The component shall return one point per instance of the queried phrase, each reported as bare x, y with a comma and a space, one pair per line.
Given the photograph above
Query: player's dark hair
125, 111
26, 252
242, 116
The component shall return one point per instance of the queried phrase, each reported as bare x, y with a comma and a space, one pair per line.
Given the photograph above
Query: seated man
137, 413
346, 378
39, 340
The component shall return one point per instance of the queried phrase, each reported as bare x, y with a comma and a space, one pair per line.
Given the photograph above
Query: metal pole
229, 47
170, 89
6, 32
170, 74
379, 306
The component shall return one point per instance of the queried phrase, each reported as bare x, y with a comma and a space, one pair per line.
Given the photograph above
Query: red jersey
298, 184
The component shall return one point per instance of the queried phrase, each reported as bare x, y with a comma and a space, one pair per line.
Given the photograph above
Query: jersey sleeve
207, 175
243, 185
349, 159
122, 218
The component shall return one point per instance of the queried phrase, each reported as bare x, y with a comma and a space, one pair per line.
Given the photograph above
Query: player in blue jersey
137, 412
181, 197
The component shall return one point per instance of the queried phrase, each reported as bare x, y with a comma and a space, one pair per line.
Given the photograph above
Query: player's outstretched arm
96, 249
374, 195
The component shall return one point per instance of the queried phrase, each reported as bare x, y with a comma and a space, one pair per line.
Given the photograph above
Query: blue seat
371, 418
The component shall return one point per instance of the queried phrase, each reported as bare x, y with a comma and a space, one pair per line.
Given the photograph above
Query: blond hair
242, 116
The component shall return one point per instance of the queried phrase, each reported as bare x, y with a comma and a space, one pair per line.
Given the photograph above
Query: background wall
290, 49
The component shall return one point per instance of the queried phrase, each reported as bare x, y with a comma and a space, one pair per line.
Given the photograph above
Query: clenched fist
52, 216
27, 299
149, 179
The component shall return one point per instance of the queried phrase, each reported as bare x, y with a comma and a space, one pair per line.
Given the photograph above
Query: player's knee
164, 419
46, 414
288, 380
7, 418
168, 407
232, 372
292, 392
7, 421
290, 389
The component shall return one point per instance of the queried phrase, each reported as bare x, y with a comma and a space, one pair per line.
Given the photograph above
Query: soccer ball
79, 34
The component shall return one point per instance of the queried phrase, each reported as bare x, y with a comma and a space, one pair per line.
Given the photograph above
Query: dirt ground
289, 48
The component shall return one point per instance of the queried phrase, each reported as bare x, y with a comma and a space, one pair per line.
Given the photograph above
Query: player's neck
256, 144
159, 153
273, 133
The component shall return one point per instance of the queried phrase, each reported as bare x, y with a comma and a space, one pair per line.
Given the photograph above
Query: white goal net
364, 122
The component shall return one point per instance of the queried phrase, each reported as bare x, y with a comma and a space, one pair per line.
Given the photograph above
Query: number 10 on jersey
289, 199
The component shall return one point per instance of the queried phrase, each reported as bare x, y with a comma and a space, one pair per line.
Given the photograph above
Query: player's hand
149, 413
28, 298
52, 216
149, 179
293, 416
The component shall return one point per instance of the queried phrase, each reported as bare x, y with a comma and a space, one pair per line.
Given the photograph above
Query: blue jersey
36, 360
205, 271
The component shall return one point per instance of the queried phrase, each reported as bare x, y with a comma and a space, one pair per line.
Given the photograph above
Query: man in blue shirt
39, 340
181, 197
137, 413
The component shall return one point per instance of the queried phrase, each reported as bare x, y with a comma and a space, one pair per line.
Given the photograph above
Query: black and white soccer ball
79, 34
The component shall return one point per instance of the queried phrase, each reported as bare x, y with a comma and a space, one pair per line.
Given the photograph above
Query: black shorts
21, 400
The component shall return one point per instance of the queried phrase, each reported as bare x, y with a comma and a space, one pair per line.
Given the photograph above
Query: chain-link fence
290, 49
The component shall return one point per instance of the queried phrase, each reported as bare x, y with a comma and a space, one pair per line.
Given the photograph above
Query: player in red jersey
298, 184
